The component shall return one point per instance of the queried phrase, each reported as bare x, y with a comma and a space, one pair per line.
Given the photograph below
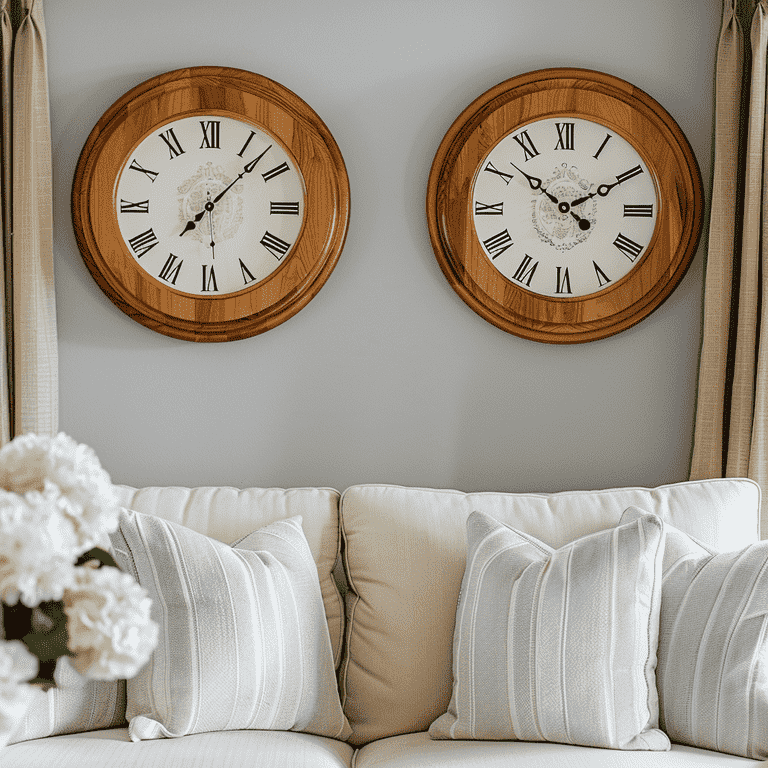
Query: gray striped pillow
712, 675
558, 645
244, 641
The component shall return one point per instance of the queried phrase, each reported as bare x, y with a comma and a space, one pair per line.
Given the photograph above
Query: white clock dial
564, 207
209, 205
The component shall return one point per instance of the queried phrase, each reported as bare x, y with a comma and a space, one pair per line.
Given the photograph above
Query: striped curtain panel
29, 354
732, 400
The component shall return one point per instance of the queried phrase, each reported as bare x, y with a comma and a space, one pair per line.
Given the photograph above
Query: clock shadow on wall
210, 203
564, 205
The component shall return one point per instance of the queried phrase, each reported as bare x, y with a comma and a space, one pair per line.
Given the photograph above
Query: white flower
110, 631
38, 463
17, 665
37, 548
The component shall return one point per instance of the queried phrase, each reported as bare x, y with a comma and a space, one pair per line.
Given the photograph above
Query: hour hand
192, 223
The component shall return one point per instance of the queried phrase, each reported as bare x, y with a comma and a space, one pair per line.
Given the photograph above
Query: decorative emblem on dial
564, 205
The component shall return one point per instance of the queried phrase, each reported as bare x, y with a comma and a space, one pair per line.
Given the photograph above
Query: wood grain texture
622, 108
211, 91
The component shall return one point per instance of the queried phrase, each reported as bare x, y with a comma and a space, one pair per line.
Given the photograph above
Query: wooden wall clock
210, 204
564, 205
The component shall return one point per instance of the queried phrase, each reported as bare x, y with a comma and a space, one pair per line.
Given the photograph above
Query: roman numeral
565, 135
602, 146
246, 273
151, 175
211, 134
289, 209
169, 137
492, 209
247, 142
169, 272
638, 210
144, 242
492, 169
209, 279
277, 247
276, 171
126, 206
631, 173
525, 271
524, 140
628, 247
497, 244
563, 281
602, 278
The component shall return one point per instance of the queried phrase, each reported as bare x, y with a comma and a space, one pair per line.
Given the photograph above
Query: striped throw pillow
712, 675
75, 705
558, 645
243, 638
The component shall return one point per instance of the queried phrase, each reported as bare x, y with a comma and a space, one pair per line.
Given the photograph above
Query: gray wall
386, 376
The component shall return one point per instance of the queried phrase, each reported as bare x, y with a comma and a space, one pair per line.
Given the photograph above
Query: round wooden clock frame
618, 106
250, 98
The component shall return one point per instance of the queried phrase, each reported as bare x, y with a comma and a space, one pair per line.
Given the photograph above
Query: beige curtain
732, 401
29, 365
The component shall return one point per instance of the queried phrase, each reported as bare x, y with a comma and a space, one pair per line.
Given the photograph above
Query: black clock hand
537, 184
209, 207
192, 223
247, 169
580, 200
584, 224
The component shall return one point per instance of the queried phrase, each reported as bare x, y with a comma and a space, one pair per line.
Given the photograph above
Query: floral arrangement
60, 593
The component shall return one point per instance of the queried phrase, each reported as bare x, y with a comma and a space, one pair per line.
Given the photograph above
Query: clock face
564, 206
209, 205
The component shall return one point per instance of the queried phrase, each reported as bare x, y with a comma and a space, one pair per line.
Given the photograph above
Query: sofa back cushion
404, 552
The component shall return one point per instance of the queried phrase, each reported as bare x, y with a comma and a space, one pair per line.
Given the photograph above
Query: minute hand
247, 169
604, 189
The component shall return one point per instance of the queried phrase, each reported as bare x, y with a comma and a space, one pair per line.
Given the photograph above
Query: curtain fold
732, 399
29, 373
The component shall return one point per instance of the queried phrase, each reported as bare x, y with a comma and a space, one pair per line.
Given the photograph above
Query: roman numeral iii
638, 210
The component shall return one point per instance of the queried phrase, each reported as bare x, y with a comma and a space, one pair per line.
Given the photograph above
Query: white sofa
390, 563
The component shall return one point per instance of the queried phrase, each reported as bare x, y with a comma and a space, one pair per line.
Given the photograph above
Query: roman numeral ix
488, 209
126, 206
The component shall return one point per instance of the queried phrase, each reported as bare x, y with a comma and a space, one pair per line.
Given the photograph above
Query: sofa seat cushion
233, 749
417, 750
405, 553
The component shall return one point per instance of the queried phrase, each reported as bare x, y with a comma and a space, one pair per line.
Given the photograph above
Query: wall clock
564, 205
210, 204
